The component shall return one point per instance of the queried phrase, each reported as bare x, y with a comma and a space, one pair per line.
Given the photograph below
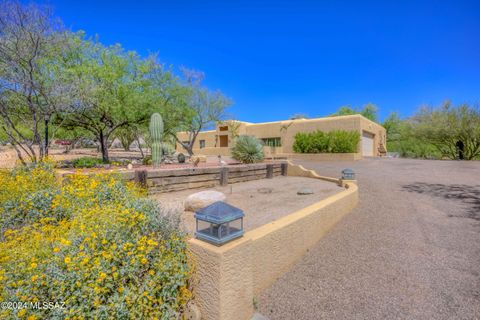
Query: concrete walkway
410, 250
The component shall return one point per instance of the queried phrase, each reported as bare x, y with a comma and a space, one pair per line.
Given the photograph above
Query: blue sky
278, 58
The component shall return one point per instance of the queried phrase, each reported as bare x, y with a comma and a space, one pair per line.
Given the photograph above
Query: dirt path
410, 250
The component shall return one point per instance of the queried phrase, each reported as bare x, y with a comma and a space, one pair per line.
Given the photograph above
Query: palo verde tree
32, 46
201, 108
113, 91
454, 131
369, 111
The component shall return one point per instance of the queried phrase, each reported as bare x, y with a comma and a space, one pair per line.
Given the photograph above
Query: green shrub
414, 148
168, 149
181, 158
147, 160
337, 141
86, 162
97, 244
248, 149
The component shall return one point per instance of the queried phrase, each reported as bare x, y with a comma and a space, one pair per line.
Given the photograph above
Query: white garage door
367, 144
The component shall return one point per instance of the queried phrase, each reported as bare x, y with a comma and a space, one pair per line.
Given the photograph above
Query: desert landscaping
325, 165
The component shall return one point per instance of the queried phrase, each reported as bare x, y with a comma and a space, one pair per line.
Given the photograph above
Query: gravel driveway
410, 250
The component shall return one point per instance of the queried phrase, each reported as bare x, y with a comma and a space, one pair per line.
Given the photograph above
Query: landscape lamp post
47, 119
348, 174
219, 223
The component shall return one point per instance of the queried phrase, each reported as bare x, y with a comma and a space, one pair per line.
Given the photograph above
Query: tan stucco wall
208, 136
231, 276
286, 130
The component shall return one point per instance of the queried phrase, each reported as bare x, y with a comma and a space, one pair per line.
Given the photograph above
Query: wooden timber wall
161, 180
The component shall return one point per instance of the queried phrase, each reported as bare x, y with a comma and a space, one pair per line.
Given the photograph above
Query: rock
130, 166
265, 190
203, 199
304, 191
198, 158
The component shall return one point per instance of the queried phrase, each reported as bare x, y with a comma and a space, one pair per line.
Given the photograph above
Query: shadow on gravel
469, 195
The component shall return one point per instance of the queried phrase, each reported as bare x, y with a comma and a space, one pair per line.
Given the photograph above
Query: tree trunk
189, 149
140, 147
104, 147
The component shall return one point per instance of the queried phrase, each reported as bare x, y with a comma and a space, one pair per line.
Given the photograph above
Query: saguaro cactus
156, 134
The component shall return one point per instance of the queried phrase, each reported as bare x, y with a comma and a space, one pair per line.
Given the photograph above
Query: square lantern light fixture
348, 174
219, 223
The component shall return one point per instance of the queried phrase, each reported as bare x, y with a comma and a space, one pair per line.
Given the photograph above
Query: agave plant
248, 149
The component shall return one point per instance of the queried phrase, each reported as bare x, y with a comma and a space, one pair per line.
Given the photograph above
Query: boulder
202, 199
201, 158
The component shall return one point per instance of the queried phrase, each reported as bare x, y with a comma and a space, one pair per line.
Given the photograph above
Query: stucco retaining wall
230, 276
212, 151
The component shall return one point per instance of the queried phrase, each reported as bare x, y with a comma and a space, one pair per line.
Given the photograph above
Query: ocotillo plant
156, 133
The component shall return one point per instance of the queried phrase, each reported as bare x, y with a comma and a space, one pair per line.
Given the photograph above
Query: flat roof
327, 118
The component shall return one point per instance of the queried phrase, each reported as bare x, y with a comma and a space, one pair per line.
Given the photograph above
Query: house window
223, 128
186, 142
202, 144
272, 142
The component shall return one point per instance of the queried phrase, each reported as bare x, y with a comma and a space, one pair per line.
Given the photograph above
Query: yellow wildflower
66, 242
152, 243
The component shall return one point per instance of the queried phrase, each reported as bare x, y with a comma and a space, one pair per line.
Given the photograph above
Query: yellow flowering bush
26, 195
101, 247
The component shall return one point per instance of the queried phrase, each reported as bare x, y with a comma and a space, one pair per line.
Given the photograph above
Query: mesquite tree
32, 46
112, 91
203, 108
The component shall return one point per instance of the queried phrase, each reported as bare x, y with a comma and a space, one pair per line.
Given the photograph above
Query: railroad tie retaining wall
161, 180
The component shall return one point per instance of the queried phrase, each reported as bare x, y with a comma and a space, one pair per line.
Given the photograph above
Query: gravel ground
260, 208
410, 250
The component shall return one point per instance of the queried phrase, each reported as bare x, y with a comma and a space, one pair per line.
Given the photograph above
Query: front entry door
224, 141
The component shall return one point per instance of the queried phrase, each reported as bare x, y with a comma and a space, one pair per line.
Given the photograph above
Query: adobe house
279, 136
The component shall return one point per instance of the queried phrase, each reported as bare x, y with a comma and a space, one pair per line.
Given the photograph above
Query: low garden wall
232, 275
212, 151
167, 180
